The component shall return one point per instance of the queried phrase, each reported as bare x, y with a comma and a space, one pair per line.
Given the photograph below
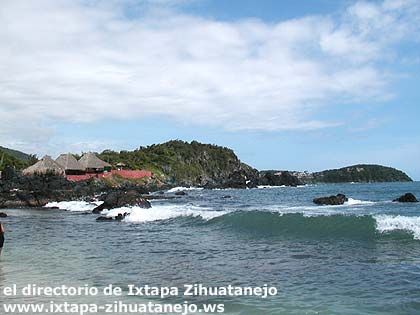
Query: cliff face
189, 164
362, 173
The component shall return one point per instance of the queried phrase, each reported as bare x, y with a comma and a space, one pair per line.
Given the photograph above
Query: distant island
360, 173
179, 163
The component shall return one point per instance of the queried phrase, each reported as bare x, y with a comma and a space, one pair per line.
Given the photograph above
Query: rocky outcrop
408, 197
339, 199
179, 163
120, 198
240, 179
278, 178
19, 191
3, 215
36, 191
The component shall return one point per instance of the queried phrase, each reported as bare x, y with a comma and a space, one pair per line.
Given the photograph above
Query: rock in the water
181, 193
278, 178
3, 215
331, 200
119, 217
118, 199
408, 197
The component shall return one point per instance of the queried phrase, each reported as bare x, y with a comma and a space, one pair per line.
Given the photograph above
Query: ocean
359, 258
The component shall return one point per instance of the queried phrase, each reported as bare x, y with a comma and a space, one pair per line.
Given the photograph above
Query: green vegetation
17, 154
180, 162
361, 173
15, 159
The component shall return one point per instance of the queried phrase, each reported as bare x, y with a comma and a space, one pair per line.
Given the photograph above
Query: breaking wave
74, 206
286, 224
283, 186
291, 221
163, 212
388, 223
176, 189
329, 226
355, 202
270, 187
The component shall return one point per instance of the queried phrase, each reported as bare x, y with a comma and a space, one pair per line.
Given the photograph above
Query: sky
298, 85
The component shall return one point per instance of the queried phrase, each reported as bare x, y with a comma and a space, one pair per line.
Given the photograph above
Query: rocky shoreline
17, 191
36, 191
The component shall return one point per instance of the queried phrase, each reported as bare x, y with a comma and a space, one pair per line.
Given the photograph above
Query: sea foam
388, 223
163, 212
176, 189
355, 202
270, 187
74, 206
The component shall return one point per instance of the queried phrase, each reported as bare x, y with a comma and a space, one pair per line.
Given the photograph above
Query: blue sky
302, 85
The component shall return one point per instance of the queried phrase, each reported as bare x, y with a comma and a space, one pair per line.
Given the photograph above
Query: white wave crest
75, 206
355, 202
162, 212
176, 189
269, 187
388, 223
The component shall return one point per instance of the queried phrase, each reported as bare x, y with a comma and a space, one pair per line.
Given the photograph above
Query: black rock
181, 193
8, 173
120, 216
408, 197
240, 179
3, 215
226, 197
118, 199
278, 178
331, 200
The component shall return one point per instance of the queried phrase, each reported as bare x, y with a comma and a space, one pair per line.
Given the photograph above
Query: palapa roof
90, 160
45, 165
69, 162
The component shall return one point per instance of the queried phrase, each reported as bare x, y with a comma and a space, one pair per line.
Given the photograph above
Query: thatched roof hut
43, 166
70, 164
91, 163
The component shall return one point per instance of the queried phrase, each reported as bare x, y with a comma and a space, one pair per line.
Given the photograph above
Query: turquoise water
360, 258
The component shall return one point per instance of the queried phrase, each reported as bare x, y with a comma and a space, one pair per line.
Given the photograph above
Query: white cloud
81, 61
